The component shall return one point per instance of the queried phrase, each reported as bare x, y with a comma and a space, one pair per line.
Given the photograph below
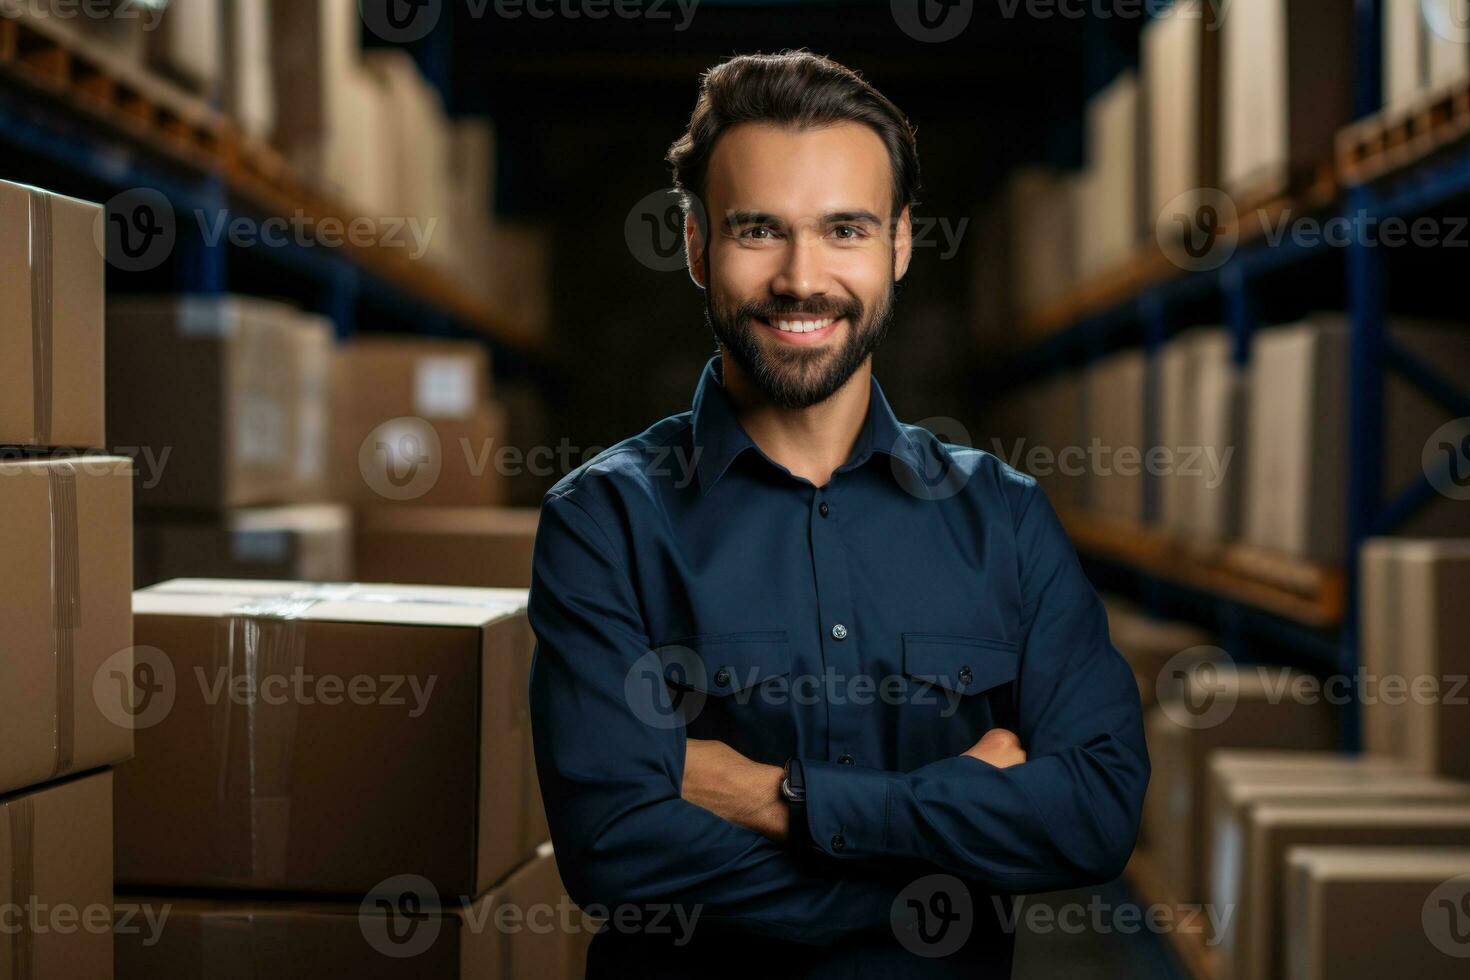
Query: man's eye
760, 231
848, 232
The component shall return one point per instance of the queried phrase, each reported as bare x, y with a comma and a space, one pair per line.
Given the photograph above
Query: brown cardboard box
1364, 913
1415, 657
313, 343
56, 880
65, 584
1180, 56
1448, 61
1053, 451
1112, 221
331, 761
306, 543
1405, 66
1212, 707
51, 336
518, 276
1149, 644
208, 381
248, 82
1219, 402
413, 423
1253, 848
525, 926
1296, 496
1285, 94
187, 45
1196, 433
1115, 418
120, 36
476, 546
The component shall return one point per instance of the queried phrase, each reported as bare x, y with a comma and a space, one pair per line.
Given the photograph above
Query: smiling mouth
801, 328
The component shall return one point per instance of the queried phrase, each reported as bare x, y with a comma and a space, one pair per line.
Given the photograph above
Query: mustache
773, 311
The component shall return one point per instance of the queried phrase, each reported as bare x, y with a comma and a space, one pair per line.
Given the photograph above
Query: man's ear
694, 251
903, 244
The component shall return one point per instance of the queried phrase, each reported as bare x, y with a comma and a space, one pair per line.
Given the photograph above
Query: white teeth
802, 326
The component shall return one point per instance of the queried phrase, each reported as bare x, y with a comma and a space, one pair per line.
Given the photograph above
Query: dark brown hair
797, 89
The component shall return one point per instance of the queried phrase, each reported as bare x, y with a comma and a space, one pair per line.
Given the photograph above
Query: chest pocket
735, 687
961, 686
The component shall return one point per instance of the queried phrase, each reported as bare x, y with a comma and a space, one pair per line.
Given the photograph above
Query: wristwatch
793, 791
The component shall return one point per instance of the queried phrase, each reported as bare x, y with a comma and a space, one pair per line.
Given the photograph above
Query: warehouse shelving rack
73, 119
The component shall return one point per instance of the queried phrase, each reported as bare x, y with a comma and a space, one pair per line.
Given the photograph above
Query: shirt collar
719, 437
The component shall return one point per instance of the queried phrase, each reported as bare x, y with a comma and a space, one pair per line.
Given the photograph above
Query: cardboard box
1405, 65
50, 320
1447, 43
1296, 475
474, 546
1149, 645
472, 165
1225, 708
519, 277
187, 45
1213, 506
1115, 397
1039, 246
120, 36
1252, 850
1285, 94
332, 764
56, 859
413, 423
249, 84
207, 380
1363, 913
65, 584
313, 341
1180, 55
525, 927
416, 133
1114, 221
307, 543
1054, 443
1194, 426
1413, 594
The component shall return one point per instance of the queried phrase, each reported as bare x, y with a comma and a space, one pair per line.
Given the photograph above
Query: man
815, 693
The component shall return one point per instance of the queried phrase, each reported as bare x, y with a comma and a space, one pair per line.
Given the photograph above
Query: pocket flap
966, 664
723, 663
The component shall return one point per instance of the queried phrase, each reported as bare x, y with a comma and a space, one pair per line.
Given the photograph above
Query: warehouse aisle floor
1087, 954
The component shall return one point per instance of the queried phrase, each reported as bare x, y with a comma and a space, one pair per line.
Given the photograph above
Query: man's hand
746, 793
999, 747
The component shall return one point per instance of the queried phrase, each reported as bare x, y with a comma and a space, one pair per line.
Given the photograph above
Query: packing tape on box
66, 609
21, 817
42, 314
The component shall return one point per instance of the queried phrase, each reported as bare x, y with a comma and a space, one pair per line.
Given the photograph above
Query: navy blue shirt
685, 584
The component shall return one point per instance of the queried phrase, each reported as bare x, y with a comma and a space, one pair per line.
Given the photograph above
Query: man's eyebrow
750, 217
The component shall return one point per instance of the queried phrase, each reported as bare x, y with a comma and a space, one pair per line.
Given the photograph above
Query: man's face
801, 261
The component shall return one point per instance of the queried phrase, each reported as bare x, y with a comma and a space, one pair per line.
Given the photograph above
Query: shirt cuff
847, 809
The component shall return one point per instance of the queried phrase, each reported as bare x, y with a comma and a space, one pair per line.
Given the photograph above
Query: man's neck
810, 442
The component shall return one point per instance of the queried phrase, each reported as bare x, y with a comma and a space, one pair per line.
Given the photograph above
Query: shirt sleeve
611, 767
1068, 816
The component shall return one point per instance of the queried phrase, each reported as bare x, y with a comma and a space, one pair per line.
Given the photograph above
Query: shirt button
837, 842
844, 759
824, 510
966, 676
722, 676
839, 632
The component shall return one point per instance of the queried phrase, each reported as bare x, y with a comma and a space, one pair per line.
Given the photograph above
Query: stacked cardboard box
1285, 93
1112, 219
249, 90
416, 135
1116, 426
367, 743
1054, 450
306, 542
1153, 645
1297, 439
1210, 706
188, 44
1413, 594
414, 422
471, 546
518, 277
1200, 425
1181, 89
66, 643
1251, 865
1360, 913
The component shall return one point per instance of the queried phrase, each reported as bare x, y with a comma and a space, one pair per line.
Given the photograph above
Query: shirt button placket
840, 637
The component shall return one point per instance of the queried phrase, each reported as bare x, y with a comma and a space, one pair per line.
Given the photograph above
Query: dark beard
799, 377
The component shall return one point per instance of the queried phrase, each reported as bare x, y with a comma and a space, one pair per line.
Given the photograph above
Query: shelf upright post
1240, 310
339, 295
202, 267
1367, 285
1367, 62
